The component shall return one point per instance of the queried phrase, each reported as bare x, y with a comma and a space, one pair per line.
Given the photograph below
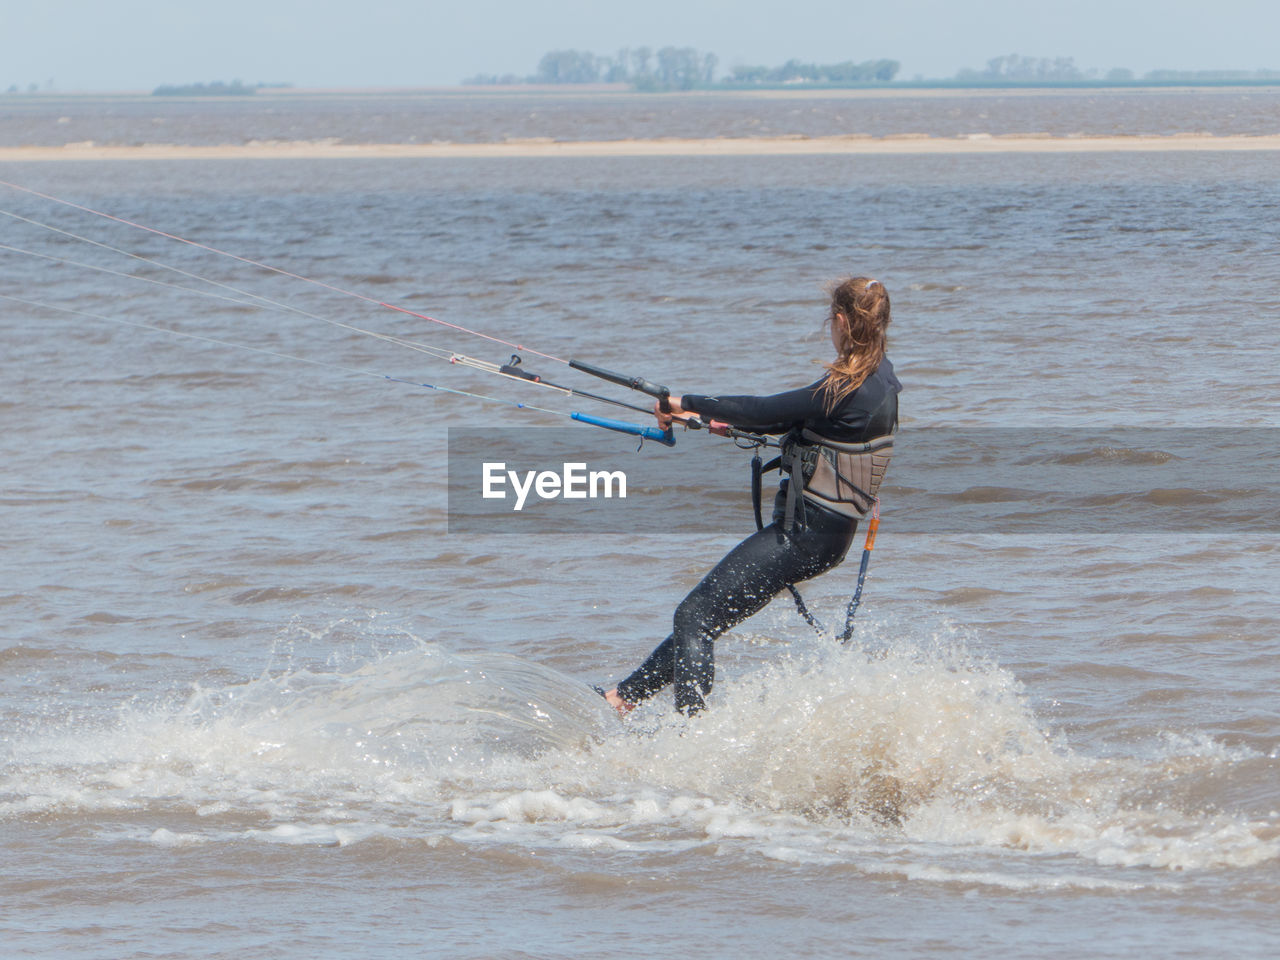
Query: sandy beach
910, 144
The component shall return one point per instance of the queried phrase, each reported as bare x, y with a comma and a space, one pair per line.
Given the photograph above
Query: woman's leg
740, 585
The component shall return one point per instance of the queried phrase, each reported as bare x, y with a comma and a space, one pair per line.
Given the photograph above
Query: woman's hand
676, 412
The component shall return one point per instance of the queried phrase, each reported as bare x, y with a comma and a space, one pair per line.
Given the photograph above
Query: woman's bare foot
616, 701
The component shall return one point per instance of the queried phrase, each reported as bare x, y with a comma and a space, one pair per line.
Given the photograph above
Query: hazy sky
140, 44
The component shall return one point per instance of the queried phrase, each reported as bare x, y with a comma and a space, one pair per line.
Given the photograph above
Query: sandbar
904, 144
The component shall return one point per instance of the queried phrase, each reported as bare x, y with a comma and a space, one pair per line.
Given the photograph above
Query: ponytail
859, 316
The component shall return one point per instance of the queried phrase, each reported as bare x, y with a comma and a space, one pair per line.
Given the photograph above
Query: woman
838, 435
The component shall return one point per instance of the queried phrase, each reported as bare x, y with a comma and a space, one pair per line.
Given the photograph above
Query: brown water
46, 120
258, 702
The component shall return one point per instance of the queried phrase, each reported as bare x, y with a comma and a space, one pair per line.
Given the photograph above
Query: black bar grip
635, 383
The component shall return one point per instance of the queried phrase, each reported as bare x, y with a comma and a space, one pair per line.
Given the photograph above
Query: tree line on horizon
235, 88
1013, 68
685, 68
671, 68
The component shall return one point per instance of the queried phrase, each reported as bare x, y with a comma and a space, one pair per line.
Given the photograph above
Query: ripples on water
494, 117
246, 670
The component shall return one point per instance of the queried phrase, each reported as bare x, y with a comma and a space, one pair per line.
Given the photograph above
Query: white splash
916, 760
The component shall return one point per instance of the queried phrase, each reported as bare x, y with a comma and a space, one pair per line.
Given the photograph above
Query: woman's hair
859, 316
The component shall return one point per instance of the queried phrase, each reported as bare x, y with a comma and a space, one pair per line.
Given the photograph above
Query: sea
262, 695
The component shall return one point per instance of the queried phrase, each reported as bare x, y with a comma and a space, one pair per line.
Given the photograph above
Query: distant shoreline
909, 144
898, 88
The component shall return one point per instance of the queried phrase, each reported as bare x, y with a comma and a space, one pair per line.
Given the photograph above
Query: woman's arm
773, 414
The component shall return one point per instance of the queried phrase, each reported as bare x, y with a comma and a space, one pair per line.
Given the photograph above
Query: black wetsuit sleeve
773, 414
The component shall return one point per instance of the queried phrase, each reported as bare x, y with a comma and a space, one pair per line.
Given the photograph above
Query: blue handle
649, 433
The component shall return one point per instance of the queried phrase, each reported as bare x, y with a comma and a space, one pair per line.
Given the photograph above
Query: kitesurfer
837, 439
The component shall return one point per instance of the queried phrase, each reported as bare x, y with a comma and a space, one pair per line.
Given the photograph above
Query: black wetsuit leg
740, 585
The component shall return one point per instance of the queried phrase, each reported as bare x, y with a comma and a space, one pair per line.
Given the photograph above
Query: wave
823, 756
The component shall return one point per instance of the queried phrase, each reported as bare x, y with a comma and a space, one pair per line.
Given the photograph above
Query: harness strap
795, 481
803, 609
789, 460
756, 483
758, 469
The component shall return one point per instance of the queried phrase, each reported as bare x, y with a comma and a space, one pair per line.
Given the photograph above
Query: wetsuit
753, 572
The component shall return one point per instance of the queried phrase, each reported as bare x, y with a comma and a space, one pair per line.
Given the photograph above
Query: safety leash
872, 526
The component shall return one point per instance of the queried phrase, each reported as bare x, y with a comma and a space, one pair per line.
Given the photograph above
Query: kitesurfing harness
842, 477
